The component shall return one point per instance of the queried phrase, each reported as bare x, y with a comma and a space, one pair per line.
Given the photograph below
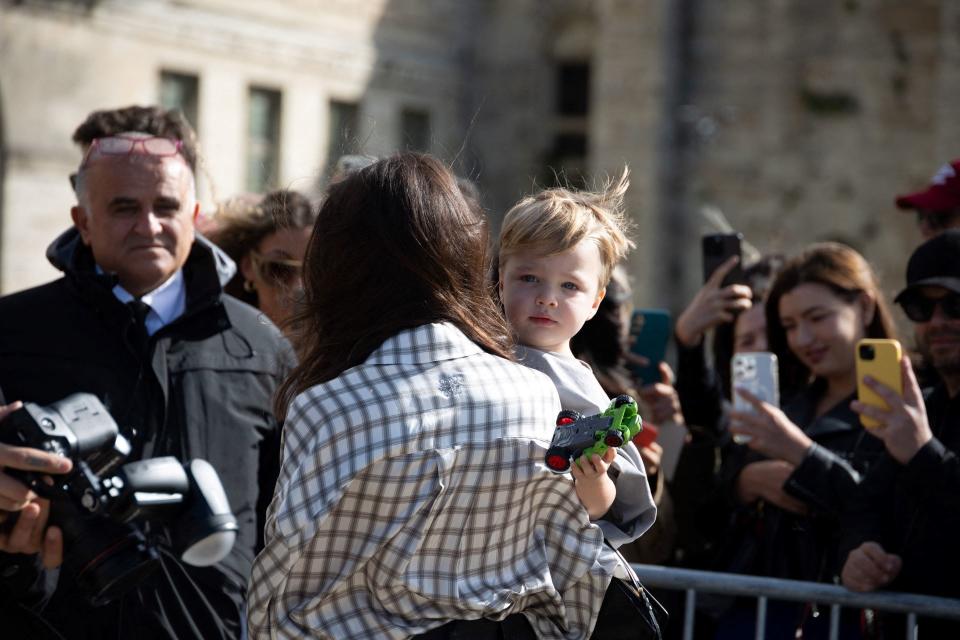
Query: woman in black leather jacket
792, 480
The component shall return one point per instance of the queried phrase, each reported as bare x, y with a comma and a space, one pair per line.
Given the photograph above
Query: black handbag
629, 611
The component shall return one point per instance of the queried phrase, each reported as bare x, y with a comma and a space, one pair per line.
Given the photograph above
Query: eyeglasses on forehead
122, 145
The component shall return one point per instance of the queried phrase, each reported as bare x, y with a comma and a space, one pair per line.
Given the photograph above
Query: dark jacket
203, 389
913, 510
698, 492
773, 542
700, 390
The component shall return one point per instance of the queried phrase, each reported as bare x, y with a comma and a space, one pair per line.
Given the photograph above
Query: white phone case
757, 372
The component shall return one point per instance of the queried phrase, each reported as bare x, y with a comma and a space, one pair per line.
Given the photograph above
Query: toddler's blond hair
556, 220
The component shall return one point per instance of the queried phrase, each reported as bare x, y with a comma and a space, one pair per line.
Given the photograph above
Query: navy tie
140, 311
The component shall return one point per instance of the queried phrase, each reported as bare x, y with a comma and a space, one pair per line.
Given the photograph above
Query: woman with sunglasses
802, 464
267, 240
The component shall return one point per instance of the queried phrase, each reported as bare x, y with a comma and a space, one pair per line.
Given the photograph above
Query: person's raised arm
713, 305
698, 385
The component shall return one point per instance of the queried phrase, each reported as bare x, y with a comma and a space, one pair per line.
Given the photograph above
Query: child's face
548, 298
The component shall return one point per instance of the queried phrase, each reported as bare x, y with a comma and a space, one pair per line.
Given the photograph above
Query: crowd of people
374, 381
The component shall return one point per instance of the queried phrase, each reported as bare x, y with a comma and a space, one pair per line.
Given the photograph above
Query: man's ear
81, 222
596, 303
196, 212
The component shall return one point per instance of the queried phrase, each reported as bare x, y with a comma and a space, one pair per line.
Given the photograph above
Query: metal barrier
765, 589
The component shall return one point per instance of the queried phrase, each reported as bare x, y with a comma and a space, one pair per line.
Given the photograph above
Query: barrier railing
765, 589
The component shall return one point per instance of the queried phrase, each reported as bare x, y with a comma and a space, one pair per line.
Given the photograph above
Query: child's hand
595, 466
594, 487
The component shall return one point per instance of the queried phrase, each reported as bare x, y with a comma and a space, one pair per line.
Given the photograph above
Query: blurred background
794, 120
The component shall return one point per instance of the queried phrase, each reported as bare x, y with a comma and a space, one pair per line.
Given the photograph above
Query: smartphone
758, 373
717, 249
880, 359
646, 436
650, 334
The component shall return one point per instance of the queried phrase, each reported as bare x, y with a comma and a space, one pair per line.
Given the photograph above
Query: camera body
116, 517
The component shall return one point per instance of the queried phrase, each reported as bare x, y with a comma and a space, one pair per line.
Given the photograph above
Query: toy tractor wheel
567, 417
613, 438
557, 459
622, 400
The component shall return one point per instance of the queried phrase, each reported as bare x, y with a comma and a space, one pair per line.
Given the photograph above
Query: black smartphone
717, 249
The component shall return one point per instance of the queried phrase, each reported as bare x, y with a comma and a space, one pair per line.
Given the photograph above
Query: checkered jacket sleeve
413, 492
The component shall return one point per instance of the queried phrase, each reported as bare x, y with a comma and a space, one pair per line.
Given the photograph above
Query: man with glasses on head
938, 206
903, 531
140, 320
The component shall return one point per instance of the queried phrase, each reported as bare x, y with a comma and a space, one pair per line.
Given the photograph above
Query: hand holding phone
717, 249
880, 359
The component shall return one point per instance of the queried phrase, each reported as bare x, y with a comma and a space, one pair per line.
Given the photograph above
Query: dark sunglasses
920, 308
277, 271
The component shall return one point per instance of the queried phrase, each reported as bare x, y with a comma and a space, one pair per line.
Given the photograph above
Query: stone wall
807, 118
59, 61
799, 120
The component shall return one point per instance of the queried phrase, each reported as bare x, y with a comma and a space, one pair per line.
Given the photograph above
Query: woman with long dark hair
412, 497
806, 460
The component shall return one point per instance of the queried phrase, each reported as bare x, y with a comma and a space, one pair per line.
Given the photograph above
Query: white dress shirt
167, 302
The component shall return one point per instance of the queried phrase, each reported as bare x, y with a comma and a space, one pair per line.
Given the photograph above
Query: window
263, 139
566, 159
415, 130
573, 89
343, 136
180, 91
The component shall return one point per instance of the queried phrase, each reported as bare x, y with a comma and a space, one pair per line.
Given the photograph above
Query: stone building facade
798, 120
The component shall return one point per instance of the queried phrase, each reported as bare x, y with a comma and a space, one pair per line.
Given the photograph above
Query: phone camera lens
867, 352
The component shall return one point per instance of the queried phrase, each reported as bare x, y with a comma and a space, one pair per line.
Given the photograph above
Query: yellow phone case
880, 359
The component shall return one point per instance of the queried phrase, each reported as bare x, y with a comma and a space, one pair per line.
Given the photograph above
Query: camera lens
867, 352
105, 558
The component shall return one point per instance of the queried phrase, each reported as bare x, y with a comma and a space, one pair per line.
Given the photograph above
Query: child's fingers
576, 470
592, 465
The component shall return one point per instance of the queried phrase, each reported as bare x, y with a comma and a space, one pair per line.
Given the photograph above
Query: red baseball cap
943, 194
